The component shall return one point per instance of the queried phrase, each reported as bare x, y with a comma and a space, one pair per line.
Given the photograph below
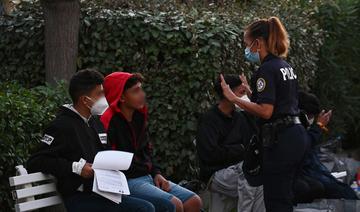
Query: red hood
114, 85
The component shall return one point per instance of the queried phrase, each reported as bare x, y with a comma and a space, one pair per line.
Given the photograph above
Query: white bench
34, 191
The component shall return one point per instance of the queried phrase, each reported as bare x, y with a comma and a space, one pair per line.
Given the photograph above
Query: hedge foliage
24, 114
22, 47
338, 77
180, 52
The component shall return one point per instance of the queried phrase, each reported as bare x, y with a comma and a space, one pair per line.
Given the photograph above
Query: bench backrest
33, 191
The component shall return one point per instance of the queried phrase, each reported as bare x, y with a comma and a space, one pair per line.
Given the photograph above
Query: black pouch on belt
268, 135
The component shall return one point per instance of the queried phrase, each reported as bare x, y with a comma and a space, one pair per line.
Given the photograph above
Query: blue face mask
253, 57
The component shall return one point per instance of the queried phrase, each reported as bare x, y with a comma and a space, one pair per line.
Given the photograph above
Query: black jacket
221, 140
133, 137
67, 139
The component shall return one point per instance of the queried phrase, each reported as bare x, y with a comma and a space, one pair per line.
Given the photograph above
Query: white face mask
99, 106
245, 98
310, 121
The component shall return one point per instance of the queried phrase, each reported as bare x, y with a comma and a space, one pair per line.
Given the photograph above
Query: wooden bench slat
36, 204
36, 190
30, 178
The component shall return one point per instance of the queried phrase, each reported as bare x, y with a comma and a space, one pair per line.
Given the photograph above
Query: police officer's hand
162, 183
87, 171
245, 84
324, 117
228, 93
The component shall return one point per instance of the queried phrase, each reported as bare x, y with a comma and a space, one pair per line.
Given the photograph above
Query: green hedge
338, 78
22, 47
24, 114
179, 52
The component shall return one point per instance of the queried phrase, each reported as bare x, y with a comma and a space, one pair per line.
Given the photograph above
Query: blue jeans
160, 204
91, 202
142, 186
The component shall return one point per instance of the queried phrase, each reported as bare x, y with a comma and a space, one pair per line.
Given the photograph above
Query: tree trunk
62, 21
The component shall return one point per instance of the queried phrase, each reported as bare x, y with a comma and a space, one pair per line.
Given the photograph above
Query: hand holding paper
109, 182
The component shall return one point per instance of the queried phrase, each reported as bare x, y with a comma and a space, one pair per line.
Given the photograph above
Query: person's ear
84, 100
122, 99
258, 44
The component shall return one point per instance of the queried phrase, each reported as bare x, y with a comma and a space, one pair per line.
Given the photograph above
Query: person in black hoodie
225, 131
315, 181
126, 123
70, 144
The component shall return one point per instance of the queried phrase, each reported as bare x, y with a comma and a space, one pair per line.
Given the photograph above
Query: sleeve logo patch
103, 138
260, 84
48, 139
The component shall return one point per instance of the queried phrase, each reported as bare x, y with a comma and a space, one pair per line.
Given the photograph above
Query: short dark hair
133, 80
309, 103
83, 82
231, 79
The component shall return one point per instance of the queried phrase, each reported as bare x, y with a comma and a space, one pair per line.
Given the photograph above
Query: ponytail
273, 32
278, 41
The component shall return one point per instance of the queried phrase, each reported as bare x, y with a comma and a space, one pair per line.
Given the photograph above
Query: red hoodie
114, 87
127, 136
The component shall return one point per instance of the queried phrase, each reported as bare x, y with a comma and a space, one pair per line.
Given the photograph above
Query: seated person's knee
194, 203
178, 204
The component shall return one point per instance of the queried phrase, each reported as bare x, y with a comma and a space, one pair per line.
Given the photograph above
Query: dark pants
95, 203
281, 162
338, 190
307, 189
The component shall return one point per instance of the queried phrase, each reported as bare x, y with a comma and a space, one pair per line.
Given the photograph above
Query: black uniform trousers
281, 162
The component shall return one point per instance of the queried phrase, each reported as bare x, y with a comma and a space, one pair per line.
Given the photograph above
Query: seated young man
223, 134
315, 181
70, 144
126, 124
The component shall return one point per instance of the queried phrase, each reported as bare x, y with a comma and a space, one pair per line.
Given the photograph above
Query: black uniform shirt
275, 83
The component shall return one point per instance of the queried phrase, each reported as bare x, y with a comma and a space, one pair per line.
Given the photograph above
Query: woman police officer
274, 100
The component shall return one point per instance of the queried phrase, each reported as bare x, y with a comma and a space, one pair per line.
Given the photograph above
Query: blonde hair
273, 32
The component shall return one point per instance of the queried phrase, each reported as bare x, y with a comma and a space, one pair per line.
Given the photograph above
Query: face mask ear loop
252, 43
91, 101
257, 50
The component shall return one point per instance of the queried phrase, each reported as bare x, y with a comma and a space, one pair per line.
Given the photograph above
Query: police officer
274, 100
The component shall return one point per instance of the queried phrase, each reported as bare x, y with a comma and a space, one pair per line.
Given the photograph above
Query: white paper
112, 181
339, 174
109, 182
111, 196
112, 160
